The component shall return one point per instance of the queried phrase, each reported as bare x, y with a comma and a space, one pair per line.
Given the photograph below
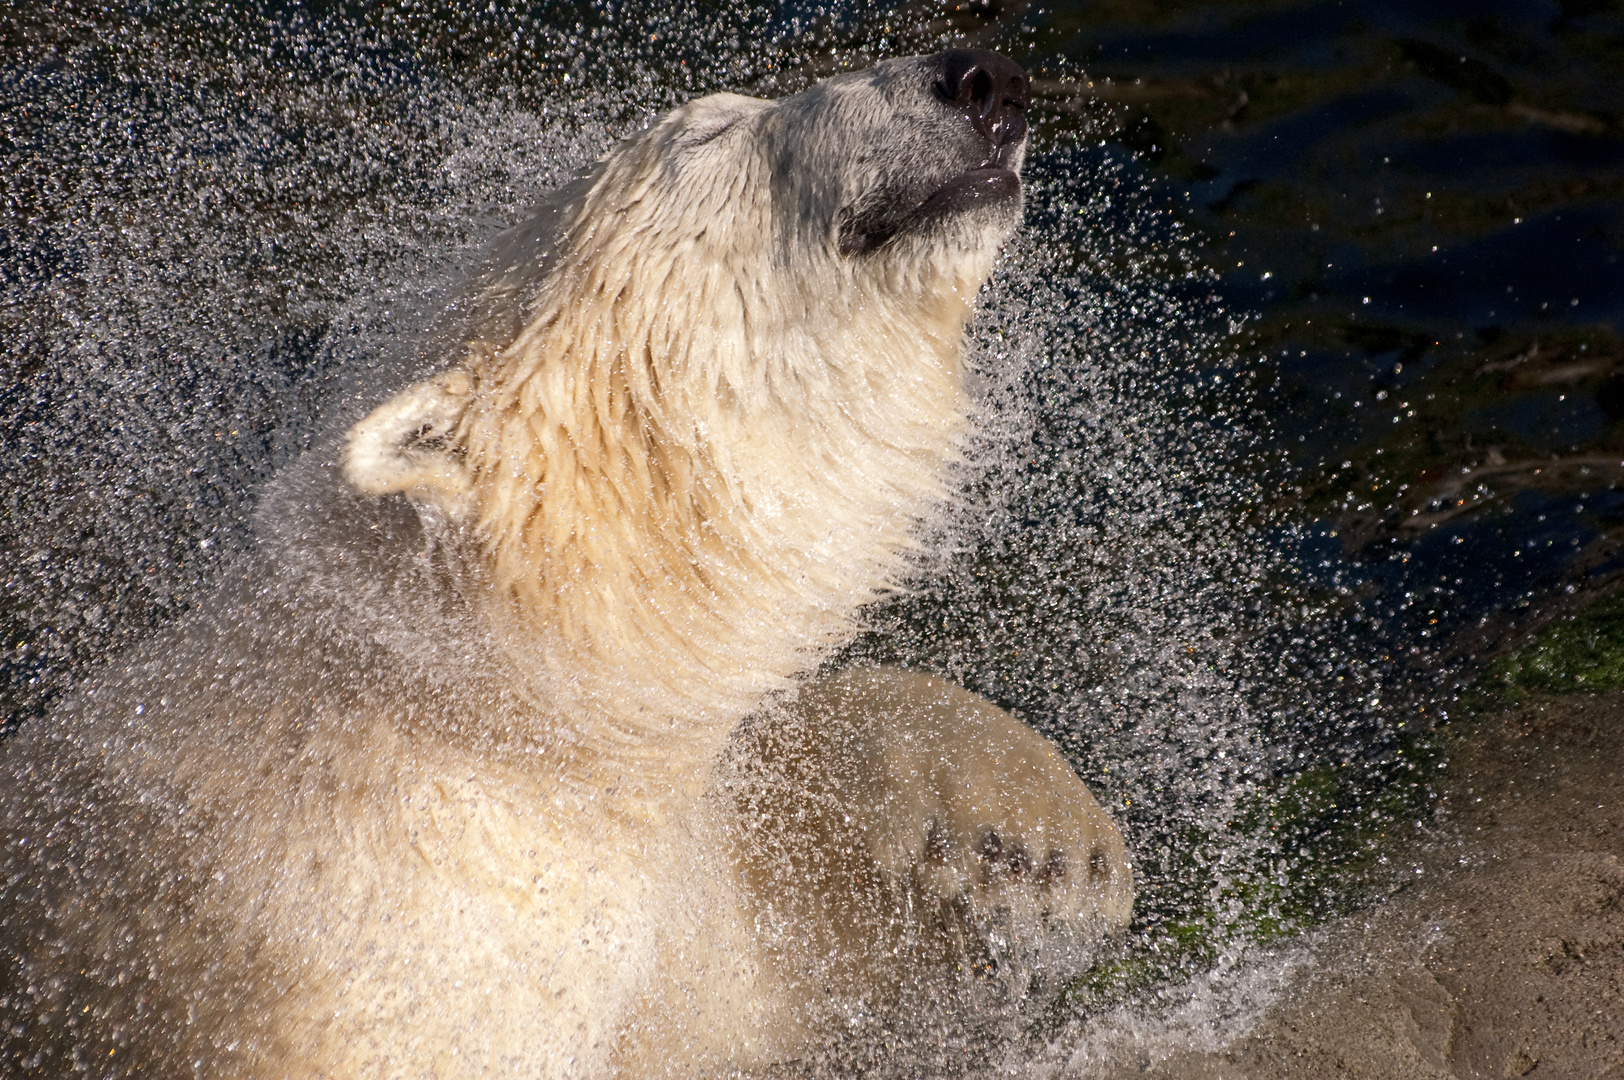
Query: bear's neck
679, 526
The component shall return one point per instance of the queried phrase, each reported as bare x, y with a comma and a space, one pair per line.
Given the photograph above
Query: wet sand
1506, 959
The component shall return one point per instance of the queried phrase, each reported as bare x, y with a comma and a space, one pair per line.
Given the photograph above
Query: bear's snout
962, 155
990, 89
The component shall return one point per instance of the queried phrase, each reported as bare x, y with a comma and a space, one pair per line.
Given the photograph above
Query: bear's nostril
980, 94
991, 90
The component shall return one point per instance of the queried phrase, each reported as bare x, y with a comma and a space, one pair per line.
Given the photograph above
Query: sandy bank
1506, 959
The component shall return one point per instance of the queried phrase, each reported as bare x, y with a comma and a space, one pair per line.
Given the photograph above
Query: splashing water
226, 230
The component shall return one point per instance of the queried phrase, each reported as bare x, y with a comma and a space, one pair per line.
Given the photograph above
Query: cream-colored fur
450, 786
707, 447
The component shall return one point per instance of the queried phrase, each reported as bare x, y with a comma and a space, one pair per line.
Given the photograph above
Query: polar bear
500, 754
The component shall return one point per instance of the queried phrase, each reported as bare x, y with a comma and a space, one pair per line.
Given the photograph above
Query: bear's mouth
973, 187
864, 231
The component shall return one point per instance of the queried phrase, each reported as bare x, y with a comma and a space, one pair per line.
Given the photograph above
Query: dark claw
937, 845
1019, 862
1099, 865
1054, 867
992, 846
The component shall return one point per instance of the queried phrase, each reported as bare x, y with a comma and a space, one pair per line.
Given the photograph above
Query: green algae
1578, 653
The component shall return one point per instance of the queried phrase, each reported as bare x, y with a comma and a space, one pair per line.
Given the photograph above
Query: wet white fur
686, 442
709, 445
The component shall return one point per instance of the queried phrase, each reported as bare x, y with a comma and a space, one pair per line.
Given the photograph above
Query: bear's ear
409, 443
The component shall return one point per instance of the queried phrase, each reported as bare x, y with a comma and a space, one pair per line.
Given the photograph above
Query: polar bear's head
766, 222
736, 357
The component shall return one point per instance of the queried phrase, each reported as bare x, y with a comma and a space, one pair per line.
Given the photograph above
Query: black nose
991, 89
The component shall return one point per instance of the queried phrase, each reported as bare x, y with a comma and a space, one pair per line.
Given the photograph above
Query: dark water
1317, 318
1423, 205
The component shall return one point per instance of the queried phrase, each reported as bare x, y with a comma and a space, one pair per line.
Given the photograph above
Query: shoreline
1505, 959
